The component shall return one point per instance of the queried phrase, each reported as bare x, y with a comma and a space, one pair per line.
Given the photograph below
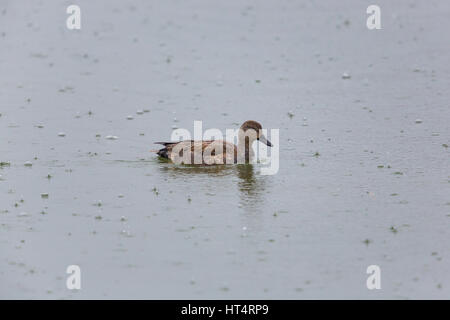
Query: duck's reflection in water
178, 171
251, 187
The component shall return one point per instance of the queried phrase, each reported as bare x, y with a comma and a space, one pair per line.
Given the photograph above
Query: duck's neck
245, 150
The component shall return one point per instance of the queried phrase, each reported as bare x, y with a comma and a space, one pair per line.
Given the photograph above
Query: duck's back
207, 151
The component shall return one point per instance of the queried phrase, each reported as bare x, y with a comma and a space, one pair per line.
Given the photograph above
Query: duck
216, 152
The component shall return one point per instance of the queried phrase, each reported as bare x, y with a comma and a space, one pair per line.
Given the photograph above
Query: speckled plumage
213, 152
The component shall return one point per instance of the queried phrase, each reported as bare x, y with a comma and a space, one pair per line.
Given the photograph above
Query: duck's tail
164, 152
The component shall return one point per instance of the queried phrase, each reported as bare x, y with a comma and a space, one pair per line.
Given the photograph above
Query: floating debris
346, 76
290, 114
393, 229
98, 217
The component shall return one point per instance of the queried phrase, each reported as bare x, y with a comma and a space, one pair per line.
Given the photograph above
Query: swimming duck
211, 152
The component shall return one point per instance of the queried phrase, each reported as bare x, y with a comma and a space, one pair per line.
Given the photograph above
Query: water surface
364, 170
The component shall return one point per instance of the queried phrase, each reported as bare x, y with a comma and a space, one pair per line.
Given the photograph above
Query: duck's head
256, 126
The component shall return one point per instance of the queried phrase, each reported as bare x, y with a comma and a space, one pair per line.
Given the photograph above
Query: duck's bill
265, 141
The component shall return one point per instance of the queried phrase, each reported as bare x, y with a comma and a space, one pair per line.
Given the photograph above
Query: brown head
256, 126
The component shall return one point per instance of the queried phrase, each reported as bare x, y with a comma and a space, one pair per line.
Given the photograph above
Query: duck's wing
212, 151
219, 152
